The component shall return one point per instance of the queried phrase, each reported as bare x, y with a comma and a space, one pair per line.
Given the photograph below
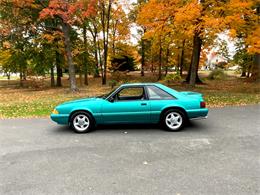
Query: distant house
213, 60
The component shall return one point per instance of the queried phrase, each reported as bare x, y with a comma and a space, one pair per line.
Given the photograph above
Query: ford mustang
135, 103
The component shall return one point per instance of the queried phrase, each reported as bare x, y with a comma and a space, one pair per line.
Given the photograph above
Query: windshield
104, 96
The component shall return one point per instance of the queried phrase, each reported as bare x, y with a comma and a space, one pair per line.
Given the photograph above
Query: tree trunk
198, 81
160, 61
80, 77
67, 42
52, 77
24, 75
182, 57
193, 76
94, 33
248, 71
59, 69
105, 18
85, 57
21, 79
167, 60
195, 59
96, 72
255, 76
100, 59
152, 65
113, 39
166, 71
142, 55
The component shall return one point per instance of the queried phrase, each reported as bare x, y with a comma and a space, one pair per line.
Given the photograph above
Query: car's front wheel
174, 120
81, 122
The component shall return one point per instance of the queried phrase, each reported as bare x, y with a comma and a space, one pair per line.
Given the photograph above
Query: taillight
203, 104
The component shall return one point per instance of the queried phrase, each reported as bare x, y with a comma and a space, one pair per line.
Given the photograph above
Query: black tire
182, 121
83, 115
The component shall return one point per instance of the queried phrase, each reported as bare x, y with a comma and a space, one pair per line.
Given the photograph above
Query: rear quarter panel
157, 106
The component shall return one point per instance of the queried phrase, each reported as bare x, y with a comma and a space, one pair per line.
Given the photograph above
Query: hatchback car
136, 103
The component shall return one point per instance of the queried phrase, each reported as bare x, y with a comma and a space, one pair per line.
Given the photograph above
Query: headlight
55, 111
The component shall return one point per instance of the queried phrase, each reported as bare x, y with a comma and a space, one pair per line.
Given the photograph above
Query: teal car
136, 103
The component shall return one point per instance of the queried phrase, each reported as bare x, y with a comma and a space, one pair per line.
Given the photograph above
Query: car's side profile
133, 103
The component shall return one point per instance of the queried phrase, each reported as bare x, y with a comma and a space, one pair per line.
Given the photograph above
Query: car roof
139, 84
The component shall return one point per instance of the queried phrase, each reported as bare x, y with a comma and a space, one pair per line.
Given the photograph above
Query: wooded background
95, 37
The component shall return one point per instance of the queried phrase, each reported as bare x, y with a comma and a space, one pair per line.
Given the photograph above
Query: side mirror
111, 99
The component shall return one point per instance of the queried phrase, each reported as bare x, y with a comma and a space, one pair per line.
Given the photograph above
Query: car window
156, 93
131, 93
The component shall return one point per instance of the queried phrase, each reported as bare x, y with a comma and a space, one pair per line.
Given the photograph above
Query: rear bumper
199, 118
201, 113
62, 119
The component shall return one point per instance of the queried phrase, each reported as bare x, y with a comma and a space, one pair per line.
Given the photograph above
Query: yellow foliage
232, 33
4, 56
6, 45
253, 41
48, 37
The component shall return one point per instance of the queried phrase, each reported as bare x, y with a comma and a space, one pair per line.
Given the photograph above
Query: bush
172, 78
122, 63
112, 83
119, 76
217, 74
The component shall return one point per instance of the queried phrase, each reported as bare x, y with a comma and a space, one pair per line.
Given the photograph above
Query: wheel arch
81, 110
173, 107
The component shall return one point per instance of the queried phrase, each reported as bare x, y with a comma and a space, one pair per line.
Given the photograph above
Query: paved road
219, 155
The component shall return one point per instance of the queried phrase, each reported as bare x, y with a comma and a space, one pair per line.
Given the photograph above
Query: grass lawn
28, 102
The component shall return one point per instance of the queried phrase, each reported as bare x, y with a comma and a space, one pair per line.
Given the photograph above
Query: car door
128, 105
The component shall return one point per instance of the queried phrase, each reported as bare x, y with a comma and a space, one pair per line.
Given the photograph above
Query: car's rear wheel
174, 120
81, 122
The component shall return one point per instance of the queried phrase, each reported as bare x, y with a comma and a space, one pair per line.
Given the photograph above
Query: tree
104, 7
254, 44
141, 31
65, 11
18, 21
119, 28
244, 25
200, 20
243, 58
122, 63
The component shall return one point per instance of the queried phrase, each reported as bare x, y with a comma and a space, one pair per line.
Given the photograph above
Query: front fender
94, 110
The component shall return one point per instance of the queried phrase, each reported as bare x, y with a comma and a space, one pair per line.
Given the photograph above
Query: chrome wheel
81, 122
173, 120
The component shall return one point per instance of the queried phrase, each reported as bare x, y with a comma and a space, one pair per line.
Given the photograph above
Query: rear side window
156, 93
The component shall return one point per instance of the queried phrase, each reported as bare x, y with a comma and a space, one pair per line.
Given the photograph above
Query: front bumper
62, 119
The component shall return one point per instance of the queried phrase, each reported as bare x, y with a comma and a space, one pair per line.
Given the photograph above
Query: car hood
81, 100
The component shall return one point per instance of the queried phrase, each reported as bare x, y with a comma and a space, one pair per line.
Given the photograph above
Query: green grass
26, 102
43, 107
11, 78
36, 108
220, 99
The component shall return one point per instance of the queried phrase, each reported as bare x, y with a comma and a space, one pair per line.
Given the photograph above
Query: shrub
172, 78
217, 74
112, 83
119, 77
122, 63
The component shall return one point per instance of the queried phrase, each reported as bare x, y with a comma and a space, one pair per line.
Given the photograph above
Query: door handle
143, 104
